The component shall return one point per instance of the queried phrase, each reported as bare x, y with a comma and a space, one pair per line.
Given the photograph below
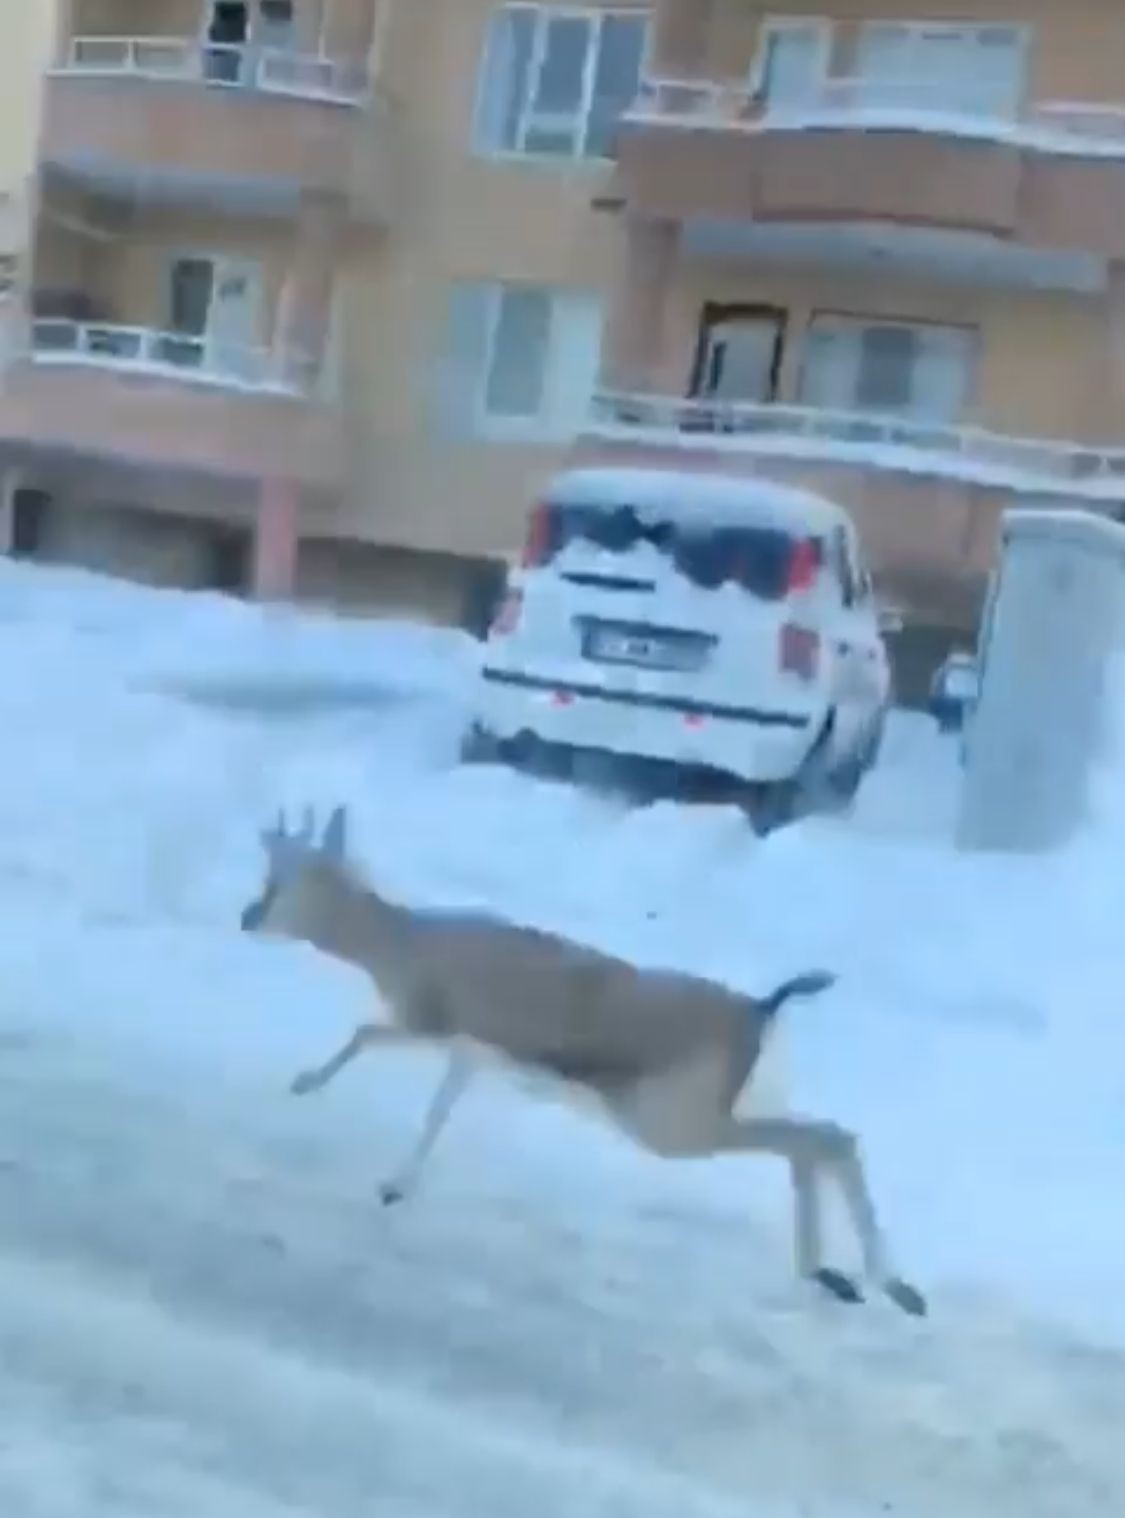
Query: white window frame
837, 320
915, 29
544, 426
545, 13
773, 26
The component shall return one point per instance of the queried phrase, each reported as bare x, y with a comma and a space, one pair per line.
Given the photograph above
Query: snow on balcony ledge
1030, 466
1066, 128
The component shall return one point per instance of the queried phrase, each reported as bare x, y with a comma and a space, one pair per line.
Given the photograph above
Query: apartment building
319, 292
314, 296
875, 247
28, 42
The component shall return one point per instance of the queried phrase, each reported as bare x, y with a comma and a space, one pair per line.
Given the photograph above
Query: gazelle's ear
334, 845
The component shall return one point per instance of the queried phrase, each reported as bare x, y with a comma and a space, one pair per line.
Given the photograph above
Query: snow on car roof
683, 495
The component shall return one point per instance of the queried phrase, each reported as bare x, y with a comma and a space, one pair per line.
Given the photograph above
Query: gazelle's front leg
448, 1094
366, 1036
811, 1148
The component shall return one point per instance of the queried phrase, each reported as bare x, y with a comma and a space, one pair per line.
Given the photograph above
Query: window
555, 82
518, 361
792, 62
918, 371
975, 69
274, 24
516, 369
888, 363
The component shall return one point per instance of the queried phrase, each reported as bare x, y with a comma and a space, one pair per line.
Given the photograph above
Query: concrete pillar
67, 14
381, 23
305, 311
276, 537
679, 39
633, 350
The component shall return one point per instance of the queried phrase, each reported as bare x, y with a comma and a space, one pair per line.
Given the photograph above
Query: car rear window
759, 559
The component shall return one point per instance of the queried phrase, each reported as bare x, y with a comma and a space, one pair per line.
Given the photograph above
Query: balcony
877, 441
172, 355
709, 155
927, 498
170, 119
139, 396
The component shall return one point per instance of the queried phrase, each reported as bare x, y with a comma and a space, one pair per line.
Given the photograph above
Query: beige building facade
312, 296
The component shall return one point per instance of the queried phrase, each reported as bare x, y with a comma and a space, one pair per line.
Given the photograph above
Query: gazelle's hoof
390, 1194
304, 1083
842, 1287
908, 1297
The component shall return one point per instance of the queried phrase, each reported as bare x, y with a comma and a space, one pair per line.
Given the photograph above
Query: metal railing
835, 101
968, 447
271, 70
146, 350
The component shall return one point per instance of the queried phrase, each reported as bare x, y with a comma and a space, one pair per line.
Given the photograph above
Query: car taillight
804, 562
508, 614
798, 651
537, 544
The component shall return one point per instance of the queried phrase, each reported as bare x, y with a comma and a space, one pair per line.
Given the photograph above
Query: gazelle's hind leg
857, 1196
445, 1098
811, 1148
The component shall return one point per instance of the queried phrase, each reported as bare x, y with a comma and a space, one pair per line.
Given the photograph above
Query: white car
695, 634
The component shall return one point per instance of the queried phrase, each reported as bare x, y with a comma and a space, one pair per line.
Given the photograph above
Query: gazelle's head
299, 867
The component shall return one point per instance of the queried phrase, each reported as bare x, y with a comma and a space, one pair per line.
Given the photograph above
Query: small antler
281, 832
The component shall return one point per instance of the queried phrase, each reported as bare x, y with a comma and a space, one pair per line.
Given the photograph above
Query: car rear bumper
753, 743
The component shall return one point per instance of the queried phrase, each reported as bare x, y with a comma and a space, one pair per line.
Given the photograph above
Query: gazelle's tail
811, 984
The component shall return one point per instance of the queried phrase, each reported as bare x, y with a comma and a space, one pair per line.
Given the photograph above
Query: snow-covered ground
203, 1309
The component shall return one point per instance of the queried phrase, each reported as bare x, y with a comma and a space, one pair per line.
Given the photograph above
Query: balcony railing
965, 452
271, 70
956, 107
197, 360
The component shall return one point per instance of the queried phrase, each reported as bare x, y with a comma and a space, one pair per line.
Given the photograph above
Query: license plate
648, 650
